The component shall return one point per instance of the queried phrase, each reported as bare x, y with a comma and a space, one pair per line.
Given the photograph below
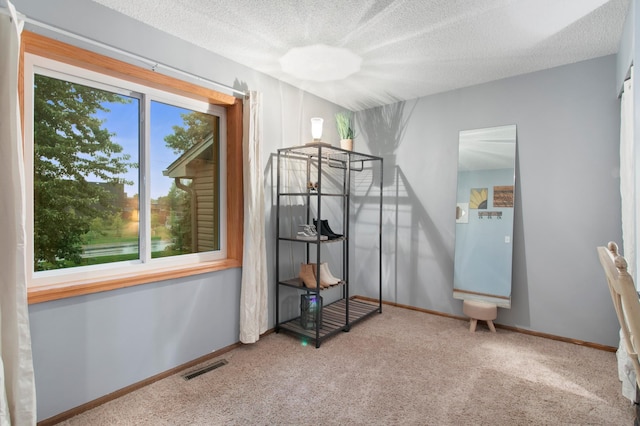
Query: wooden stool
477, 310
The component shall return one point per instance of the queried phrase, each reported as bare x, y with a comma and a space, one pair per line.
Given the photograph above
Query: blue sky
123, 121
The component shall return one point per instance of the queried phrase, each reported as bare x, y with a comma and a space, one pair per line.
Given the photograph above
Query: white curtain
626, 373
628, 177
254, 292
17, 387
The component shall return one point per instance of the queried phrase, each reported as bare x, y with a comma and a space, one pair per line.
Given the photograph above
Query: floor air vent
205, 369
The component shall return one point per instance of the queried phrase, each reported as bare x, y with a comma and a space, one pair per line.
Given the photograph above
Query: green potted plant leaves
344, 125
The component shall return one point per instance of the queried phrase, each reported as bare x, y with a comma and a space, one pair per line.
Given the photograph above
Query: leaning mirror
484, 215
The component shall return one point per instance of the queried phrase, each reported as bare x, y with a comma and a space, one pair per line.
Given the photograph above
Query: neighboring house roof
180, 168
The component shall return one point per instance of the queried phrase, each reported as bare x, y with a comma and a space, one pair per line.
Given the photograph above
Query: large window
121, 177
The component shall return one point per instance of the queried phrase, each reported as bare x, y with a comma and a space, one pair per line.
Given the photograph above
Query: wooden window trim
62, 52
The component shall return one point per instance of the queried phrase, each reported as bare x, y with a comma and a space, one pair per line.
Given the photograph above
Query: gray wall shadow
411, 245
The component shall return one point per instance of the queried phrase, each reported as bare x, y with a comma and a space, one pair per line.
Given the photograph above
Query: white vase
346, 144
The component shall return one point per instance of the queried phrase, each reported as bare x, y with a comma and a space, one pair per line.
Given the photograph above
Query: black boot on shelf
325, 225
324, 229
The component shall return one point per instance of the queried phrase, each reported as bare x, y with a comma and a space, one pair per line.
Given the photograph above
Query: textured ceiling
409, 48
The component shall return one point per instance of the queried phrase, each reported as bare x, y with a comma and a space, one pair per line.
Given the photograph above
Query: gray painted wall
86, 347
567, 203
567, 198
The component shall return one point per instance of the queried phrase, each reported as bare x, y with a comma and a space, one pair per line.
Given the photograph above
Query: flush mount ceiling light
320, 62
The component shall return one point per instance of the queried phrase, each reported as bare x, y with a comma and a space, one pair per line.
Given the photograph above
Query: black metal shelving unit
318, 161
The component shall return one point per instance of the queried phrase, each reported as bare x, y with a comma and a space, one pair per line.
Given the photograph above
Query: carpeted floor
399, 367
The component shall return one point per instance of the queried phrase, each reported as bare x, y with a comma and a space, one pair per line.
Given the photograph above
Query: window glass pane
184, 181
85, 175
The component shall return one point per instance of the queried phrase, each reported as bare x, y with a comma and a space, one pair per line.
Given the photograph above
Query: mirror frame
485, 201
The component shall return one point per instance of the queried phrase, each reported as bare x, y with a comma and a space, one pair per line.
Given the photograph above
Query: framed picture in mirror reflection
462, 213
478, 198
503, 196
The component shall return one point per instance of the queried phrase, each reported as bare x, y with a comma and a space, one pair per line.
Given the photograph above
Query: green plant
343, 123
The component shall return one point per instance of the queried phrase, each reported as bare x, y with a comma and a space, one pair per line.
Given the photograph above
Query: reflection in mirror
484, 215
